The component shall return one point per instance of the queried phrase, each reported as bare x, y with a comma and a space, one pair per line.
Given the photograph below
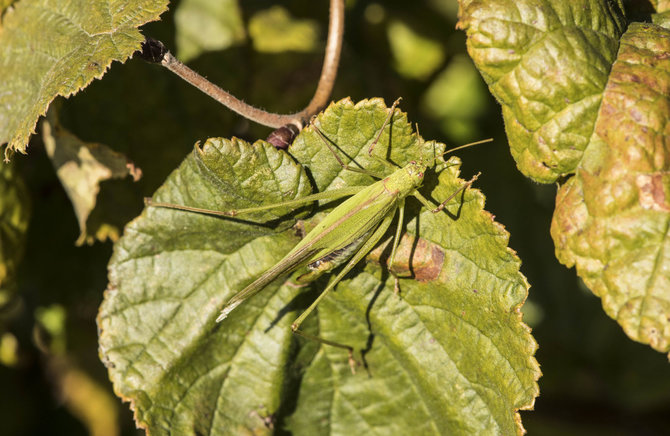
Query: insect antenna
470, 144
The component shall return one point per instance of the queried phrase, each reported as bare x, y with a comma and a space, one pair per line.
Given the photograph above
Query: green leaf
14, 216
175, 272
612, 217
50, 48
82, 168
547, 63
450, 355
207, 25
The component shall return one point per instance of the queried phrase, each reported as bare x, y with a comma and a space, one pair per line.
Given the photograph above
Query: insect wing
351, 222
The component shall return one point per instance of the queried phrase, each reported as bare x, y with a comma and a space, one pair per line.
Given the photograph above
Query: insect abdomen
332, 260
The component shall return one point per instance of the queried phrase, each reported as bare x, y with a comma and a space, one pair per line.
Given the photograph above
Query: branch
154, 51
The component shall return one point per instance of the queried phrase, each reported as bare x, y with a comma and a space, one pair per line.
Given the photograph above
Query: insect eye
412, 162
420, 175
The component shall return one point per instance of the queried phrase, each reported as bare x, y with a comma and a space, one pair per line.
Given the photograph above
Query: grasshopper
347, 234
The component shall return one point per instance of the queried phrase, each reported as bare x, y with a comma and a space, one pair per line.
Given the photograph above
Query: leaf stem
155, 51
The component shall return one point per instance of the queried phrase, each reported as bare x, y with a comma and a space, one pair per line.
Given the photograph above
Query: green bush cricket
347, 234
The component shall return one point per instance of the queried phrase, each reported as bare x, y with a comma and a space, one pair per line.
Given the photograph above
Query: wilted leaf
14, 215
207, 25
547, 63
81, 168
612, 217
274, 31
57, 47
450, 355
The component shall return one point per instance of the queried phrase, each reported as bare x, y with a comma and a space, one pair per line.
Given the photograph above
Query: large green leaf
57, 47
581, 96
449, 355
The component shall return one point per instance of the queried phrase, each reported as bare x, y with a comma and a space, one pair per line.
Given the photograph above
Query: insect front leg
437, 208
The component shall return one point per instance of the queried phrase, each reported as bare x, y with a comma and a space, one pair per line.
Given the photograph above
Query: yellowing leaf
547, 63
583, 95
81, 168
612, 217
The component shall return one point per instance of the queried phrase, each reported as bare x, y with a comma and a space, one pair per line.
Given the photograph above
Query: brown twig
155, 51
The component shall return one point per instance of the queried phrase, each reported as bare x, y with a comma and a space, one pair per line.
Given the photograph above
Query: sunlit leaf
57, 47
449, 355
547, 63
612, 217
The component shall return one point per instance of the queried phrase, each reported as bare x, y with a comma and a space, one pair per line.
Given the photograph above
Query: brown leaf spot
416, 258
652, 192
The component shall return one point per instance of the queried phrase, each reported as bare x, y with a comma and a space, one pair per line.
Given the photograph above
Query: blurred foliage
203, 25
14, 217
457, 98
415, 56
595, 380
274, 31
